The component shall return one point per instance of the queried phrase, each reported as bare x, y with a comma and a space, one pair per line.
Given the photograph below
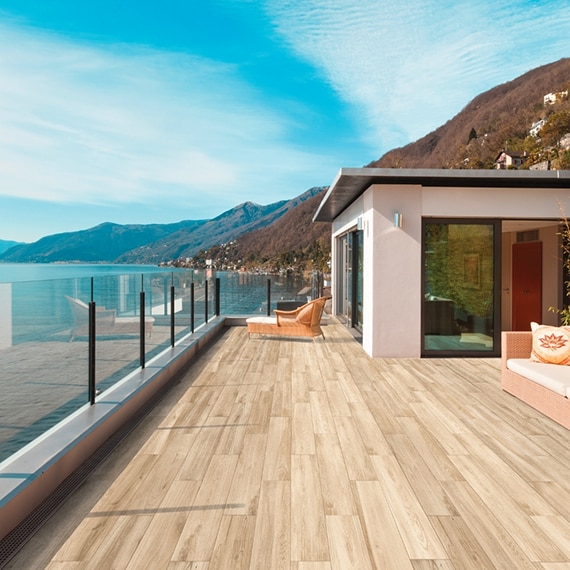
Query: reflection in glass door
350, 283
460, 283
357, 282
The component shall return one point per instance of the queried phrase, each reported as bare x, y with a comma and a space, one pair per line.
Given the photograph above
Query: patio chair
304, 321
106, 321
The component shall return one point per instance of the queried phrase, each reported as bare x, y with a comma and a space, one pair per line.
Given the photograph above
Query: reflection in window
459, 287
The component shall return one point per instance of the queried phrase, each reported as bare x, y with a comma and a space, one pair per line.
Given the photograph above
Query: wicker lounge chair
304, 321
106, 321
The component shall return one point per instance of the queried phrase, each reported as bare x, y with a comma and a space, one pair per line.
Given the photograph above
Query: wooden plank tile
464, 550
356, 458
198, 536
382, 534
426, 487
347, 544
532, 541
430, 450
149, 553
335, 483
244, 490
372, 436
303, 437
558, 530
233, 544
309, 539
496, 539
338, 403
200, 454
260, 412
277, 464
417, 532
321, 413
272, 540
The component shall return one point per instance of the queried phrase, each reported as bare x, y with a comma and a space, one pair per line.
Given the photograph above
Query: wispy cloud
406, 67
105, 124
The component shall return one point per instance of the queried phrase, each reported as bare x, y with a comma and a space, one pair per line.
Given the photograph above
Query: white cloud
101, 125
407, 67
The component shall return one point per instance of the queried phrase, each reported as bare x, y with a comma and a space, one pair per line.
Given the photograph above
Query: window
350, 283
460, 285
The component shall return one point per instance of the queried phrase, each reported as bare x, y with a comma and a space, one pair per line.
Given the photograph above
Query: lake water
17, 272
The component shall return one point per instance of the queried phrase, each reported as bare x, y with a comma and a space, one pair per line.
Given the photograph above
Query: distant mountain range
4, 245
153, 243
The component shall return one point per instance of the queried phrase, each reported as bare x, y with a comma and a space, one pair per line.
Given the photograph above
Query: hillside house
510, 159
439, 262
552, 98
536, 127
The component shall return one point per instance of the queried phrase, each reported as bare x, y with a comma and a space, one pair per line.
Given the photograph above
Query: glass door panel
460, 284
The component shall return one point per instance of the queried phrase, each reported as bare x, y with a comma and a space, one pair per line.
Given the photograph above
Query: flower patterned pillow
550, 344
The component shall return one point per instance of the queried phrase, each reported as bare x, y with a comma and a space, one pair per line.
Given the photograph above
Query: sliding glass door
461, 287
350, 290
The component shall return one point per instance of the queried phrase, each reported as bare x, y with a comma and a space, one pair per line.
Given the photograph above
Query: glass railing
55, 358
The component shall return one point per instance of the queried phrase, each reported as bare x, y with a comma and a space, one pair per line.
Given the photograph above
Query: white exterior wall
392, 284
392, 271
522, 203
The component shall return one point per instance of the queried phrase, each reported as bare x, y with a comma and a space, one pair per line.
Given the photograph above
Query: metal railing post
172, 333
142, 324
91, 357
206, 300
217, 296
269, 297
192, 307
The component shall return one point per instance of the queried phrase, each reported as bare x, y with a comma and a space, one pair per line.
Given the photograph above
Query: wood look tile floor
280, 453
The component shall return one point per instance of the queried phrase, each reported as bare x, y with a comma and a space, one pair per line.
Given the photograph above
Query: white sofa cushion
551, 376
262, 320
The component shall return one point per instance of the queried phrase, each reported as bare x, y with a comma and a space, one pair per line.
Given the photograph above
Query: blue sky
156, 112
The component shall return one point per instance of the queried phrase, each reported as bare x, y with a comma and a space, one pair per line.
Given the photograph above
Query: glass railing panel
184, 314
117, 328
43, 374
247, 293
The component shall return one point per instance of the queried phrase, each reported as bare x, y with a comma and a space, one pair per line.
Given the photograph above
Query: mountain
228, 226
103, 243
153, 243
293, 242
497, 119
5, 245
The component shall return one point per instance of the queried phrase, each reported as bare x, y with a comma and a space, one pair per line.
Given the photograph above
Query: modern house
439, 262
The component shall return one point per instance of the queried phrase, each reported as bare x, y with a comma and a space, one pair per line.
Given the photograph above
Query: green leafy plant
564, 313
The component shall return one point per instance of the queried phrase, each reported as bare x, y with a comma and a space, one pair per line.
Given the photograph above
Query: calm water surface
17, 272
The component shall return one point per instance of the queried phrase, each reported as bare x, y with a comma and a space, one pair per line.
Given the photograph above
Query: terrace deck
309, 455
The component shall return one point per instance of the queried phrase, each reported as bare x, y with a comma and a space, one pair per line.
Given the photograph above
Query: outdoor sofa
106, 321
541, 384
304, 321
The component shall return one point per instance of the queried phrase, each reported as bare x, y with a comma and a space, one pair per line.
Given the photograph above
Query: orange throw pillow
550, 344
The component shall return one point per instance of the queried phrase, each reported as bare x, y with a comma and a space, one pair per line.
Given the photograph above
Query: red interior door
527, 284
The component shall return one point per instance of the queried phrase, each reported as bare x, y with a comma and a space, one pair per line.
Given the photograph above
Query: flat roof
350, 183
